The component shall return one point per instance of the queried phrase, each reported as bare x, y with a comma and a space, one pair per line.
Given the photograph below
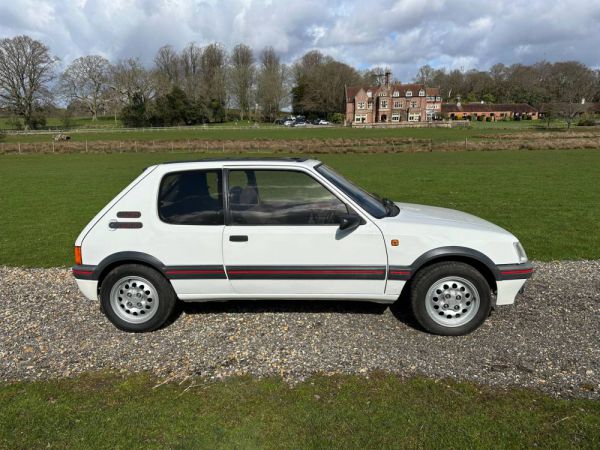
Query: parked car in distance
288, 122
288, 229
323, 122
299, 123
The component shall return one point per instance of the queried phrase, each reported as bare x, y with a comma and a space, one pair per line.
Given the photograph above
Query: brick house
392, 103
495, 111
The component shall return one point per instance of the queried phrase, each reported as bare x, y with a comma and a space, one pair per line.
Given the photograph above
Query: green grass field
384, 411
549, 199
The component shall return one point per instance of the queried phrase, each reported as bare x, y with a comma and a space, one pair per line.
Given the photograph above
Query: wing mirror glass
349, 221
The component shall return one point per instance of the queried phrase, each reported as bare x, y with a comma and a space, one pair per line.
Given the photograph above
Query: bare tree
425, 75
572, 83
168, 67
190, 59
130, 78
214, 88
26, 68
241, 77
272, 90
85, 80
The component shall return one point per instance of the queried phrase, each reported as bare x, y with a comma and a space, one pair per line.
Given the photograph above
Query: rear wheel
136, 298
450, 298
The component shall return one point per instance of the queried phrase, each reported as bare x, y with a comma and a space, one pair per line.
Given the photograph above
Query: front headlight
520, 252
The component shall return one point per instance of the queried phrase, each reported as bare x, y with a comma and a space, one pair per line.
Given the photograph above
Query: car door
188, 232
282, 237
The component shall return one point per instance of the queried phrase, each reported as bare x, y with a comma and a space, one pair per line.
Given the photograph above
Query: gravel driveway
548, 340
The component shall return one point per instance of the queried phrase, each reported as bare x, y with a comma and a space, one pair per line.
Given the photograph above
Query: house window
361, 105
409, 93
383, 94
360, 118
438, 99
395, 117
370, 104
397, 104
384, 104
421, 93
396, 94
413, 104
414, 117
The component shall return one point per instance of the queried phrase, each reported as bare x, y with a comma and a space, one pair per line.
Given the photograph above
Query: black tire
428, 276
166, 297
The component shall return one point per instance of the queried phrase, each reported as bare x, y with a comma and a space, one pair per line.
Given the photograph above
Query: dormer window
438, 99
422, 93
409, 93
396, 94
383, 94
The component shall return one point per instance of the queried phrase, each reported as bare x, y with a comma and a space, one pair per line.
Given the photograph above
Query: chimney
388, 74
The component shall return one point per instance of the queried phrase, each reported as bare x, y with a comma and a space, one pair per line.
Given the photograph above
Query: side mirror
349, 221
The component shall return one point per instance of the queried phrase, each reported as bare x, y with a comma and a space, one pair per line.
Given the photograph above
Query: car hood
432, 215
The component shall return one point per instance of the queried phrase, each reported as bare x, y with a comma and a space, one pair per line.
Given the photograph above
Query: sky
402, 34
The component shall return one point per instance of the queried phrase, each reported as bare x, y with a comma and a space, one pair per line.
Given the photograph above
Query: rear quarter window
192, 197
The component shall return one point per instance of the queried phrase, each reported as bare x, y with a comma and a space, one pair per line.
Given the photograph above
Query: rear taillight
78, 259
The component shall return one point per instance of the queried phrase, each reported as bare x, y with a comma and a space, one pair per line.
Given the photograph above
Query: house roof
488, 107
352, 91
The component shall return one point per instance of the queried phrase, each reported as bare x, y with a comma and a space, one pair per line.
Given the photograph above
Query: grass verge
548, 199
382, 411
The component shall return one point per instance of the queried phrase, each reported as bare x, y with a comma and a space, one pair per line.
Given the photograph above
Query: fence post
19, 148
465, 143
86, 148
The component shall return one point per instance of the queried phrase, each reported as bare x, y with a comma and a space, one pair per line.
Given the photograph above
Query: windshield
367, 201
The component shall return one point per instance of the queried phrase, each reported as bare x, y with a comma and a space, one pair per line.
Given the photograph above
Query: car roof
247, 161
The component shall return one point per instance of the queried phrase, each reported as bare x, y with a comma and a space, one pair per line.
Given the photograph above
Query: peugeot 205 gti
288, 229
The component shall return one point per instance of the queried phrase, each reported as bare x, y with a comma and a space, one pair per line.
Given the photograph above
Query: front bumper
510, 281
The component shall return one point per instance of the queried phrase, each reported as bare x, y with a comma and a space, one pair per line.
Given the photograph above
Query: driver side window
281, 197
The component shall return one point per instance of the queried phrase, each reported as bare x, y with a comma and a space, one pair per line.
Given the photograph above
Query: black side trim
399, 272
84, 272
129, 214
306, 272
195, 272
129, 225
515, 271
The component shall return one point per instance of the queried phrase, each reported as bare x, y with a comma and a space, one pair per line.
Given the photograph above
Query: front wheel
136, 298
450, 298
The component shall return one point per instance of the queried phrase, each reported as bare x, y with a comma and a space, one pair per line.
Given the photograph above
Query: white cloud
403, 34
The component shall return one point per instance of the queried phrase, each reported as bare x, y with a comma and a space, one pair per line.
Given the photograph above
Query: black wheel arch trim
500, 272
81, 272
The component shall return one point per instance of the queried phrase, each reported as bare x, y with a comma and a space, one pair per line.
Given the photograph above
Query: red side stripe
303, 272
82, 272
400, 272
192, 272
517, 272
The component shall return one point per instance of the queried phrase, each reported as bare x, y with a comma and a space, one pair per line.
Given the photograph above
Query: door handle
238, 238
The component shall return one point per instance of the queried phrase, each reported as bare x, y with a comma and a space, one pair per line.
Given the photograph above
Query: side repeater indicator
395, 242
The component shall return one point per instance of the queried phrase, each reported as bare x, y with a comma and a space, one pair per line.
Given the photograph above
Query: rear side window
191, 198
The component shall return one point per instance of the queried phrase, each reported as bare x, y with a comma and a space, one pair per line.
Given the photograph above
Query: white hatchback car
288, 229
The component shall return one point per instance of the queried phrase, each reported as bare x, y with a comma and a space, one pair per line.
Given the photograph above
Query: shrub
488, 119
586, 122
15, 123
336, 118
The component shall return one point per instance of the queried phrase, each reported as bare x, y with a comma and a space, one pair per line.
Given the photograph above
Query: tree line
210, 84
